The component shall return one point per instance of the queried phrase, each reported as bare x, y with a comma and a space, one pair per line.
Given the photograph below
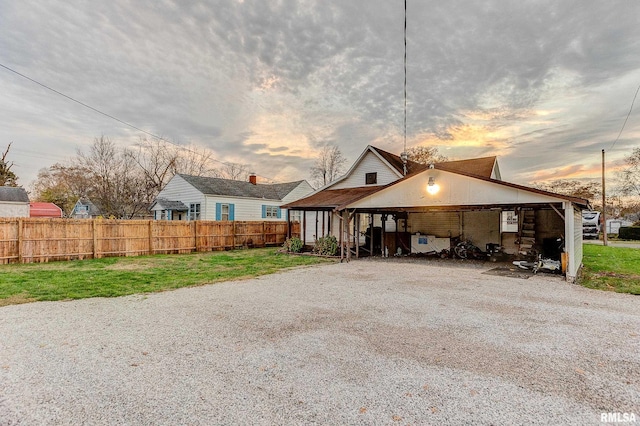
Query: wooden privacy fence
27, 240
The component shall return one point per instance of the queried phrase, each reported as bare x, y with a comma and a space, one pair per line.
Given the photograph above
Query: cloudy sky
545, 85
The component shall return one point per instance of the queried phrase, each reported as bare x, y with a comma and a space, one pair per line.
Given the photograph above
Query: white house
383, 205
14, 202
187, 197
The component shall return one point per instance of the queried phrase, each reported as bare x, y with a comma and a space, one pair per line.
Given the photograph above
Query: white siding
573, 241
313, 223
455, 190
9, 209
302, 190
244, 208
178, 189
370, 163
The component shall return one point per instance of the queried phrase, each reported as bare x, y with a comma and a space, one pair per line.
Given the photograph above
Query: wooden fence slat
42, 240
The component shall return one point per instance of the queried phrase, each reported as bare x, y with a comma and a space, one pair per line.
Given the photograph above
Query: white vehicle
590, 224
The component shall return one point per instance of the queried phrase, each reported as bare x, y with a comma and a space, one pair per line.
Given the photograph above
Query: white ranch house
187, 197
375, 208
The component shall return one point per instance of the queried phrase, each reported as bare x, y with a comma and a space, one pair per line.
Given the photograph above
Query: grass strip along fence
27, 240
120, 276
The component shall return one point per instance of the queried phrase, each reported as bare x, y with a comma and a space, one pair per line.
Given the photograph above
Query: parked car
590, 224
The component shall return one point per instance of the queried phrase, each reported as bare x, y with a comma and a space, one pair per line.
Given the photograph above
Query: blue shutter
264, 211
232, 211
279, 213
218, 211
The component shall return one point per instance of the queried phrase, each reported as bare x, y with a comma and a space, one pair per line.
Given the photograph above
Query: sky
544, 85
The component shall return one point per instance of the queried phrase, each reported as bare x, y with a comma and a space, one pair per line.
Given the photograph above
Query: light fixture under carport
432, 186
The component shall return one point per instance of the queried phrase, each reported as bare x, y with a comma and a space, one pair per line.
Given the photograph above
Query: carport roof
340, 199
330, 199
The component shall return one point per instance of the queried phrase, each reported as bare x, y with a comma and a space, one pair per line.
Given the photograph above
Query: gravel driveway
369, 342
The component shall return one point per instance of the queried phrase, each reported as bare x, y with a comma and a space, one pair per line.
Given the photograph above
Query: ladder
527, 231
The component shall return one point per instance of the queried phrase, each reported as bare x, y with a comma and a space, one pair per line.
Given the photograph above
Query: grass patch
611, 268
120, 276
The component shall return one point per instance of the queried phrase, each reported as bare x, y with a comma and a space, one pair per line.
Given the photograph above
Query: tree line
123, 182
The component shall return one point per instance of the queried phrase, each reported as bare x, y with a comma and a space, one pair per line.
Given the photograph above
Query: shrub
293, 245
629, 233
327, 246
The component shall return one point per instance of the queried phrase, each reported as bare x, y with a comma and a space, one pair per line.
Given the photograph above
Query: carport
431, 209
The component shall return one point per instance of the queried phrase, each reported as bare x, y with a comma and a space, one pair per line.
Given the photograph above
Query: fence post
264, 234
150, 230
233, 232
195, 235
19, 240
95, 238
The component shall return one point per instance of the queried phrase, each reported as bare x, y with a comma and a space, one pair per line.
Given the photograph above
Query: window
509, 221
194, 211
225, 211
371, 178
270, 212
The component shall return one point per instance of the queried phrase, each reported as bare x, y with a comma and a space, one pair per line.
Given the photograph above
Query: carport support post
357, 242
570, 242
371, 234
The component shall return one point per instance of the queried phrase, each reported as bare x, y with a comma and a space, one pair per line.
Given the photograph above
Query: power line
625, 120
405, 77
116, 118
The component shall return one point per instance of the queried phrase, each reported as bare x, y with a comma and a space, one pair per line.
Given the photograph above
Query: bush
629, 233
293, 245
327, 246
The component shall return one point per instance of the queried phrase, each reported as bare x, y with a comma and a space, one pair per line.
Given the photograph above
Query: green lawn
119, 276
611, 268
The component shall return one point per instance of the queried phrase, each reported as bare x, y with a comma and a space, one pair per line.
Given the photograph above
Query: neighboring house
376, 208
44, 210
85, 209
14, 202
187, 197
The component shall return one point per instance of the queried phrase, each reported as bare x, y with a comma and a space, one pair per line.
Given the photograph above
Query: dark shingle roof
475, 166
170, 205
396, 162
14, 194
239, 188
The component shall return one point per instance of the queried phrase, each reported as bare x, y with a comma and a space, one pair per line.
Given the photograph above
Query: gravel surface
368, 342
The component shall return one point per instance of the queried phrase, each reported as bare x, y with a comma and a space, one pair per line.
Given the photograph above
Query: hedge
629, 233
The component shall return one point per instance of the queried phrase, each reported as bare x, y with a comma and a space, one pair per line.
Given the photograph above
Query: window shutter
232, 212
264, 211
218, 211
279, 213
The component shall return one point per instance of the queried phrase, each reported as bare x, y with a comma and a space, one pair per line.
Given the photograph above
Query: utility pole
604, 206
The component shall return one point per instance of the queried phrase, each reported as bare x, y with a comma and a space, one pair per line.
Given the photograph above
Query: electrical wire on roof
115, 118
625, 120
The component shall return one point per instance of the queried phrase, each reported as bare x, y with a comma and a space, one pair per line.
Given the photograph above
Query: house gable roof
238, 188
13, 194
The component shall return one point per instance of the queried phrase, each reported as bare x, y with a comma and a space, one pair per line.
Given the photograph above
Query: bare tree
425, 155
7, 177
589, 190
328, 166
235, 171
118, 186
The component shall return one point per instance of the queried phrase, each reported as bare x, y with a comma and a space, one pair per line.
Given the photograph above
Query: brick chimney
253, 178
